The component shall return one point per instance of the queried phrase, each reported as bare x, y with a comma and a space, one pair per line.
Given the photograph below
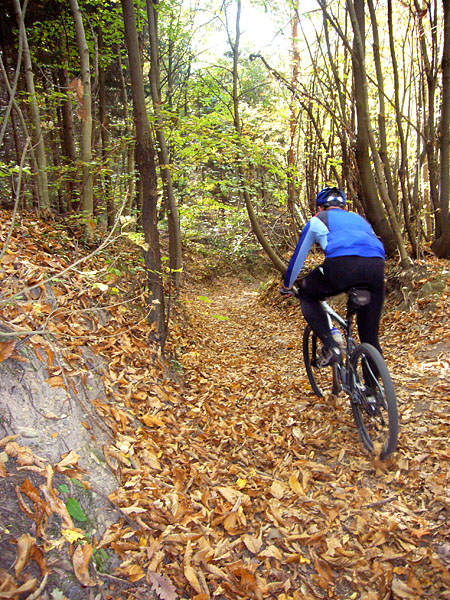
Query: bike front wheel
373, 399
325, 380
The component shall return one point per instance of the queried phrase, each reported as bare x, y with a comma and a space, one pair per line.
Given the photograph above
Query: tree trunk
389, 234
431, 71
442, 244
129, 144
104, 136
381, 100
175, 250
293, 119
38, 140
145, 158
87, 192
256, 227
68, 141
403, 168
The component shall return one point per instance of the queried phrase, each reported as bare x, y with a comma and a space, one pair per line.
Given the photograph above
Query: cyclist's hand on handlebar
287, 292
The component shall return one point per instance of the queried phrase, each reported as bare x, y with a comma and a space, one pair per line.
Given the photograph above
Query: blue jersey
339, 233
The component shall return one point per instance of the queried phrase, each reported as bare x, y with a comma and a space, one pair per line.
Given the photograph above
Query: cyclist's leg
368, 317
314, 288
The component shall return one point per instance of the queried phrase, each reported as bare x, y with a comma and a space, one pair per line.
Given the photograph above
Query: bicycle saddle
358, 296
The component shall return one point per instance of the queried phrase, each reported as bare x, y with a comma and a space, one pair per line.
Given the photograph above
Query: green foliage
102, 560
9, 169
75, 511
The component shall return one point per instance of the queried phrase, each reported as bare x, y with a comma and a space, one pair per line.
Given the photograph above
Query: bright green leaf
75, 510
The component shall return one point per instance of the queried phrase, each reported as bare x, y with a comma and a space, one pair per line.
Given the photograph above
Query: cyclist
354, 256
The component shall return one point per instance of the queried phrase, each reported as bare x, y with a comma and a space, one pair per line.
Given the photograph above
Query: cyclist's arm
314, 231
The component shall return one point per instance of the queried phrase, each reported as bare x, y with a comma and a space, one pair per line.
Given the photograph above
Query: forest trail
295, 507
235, 481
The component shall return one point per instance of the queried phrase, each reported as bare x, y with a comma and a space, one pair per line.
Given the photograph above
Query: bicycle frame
341, 373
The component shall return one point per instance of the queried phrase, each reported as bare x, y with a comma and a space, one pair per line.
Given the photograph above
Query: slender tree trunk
382, 107
431, 73
403, 168
87, 191
145, 158
104, 136
129, 144
343, 126
41, 159
293, 119
68, 141
175, 250
256, 227
442, 244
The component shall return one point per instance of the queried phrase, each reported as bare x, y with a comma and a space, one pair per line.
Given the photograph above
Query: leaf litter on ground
236, 481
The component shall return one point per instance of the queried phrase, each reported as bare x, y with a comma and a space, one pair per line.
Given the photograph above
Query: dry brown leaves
242, 484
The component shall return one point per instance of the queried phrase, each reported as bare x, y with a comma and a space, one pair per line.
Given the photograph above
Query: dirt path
295, 507
234, 481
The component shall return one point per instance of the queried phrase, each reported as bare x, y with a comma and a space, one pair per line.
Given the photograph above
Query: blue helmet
331, 196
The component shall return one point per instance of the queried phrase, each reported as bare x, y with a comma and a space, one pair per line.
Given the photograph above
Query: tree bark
104, 136
442, 244
87, 190
130, 143
431, 71
389, 233
256, 227
403, 168
382, 107
68, 141
175, 250
145, 159
293, 120
38, 140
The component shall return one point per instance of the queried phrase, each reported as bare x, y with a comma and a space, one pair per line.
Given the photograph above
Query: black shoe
329, 356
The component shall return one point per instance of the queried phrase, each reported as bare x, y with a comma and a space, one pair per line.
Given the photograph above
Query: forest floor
235, 481
296, 504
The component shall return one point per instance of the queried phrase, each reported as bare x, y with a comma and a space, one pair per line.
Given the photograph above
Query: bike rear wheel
373, 399
324, 381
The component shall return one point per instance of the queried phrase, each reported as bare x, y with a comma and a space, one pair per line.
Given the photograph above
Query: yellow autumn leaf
253, 544
55, 381
295, 486
241, 483
51, 415
72, 535
152, 420
6, 349
69, 460
128, 510
135, 573
272, 551
191, 576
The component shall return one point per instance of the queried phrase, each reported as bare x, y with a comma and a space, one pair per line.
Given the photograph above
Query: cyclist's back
354, 256
349, 234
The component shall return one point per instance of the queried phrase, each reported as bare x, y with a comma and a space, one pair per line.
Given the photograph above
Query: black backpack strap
323, 216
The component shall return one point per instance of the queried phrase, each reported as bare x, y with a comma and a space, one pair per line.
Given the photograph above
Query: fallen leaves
6, 349
81, 558
161, 586
242, 484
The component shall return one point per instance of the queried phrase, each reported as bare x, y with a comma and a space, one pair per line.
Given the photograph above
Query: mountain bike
363, 375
